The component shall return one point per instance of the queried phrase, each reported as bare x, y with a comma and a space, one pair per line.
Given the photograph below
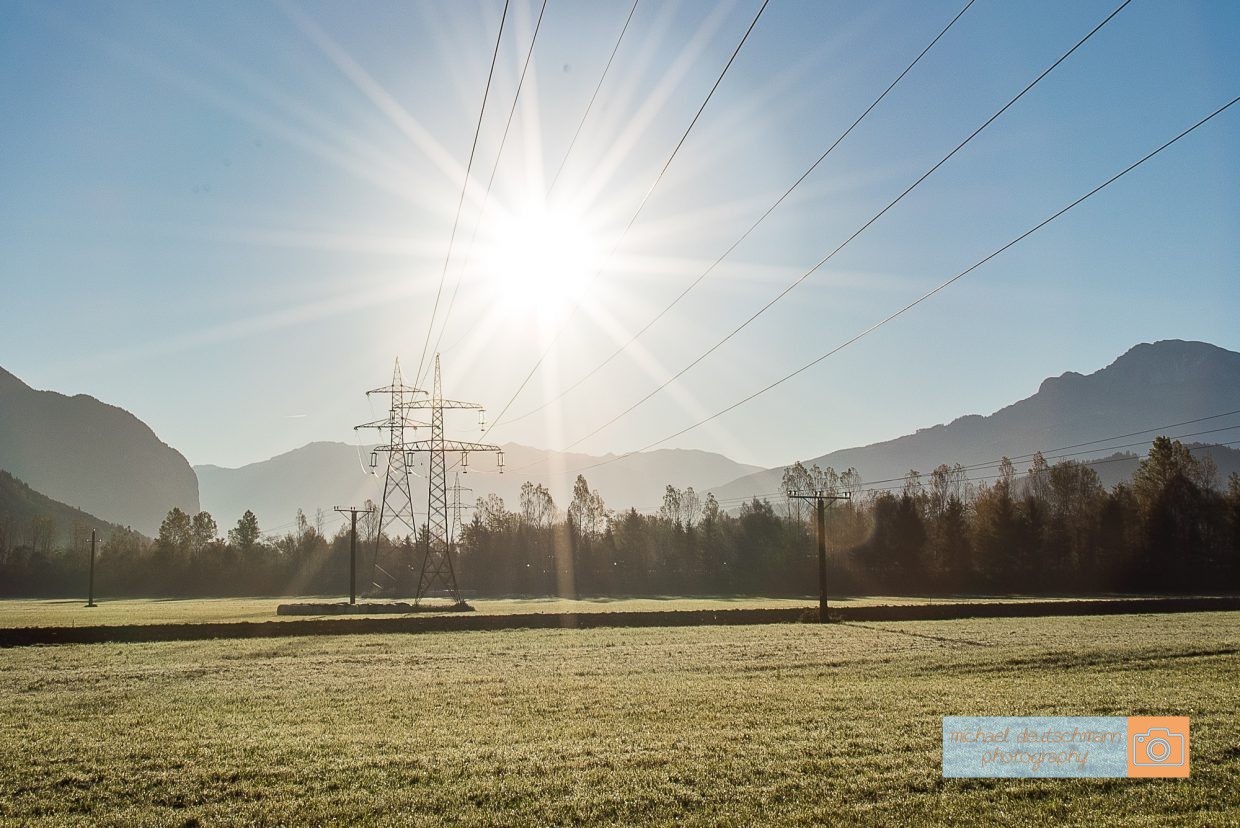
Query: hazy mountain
323, 475
315, 476
94, 456
20, 505
1151, 385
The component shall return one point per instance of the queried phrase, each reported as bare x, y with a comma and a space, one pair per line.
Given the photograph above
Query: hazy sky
229, 218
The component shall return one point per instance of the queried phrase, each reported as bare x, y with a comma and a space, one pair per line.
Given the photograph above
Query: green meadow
776, 724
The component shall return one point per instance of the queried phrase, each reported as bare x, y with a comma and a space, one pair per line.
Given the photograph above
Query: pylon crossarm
429, 403
396, 389
388, 422
449, 445
399, 447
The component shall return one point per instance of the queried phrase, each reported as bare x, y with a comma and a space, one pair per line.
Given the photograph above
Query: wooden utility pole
353, 511
820, 499
90, 593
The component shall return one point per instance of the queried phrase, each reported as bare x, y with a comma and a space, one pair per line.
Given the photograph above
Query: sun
541, 260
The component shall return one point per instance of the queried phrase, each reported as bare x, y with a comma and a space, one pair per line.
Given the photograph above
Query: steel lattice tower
396, 508
457, 507
437, 571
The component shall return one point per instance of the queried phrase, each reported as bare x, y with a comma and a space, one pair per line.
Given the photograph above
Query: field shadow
940, 638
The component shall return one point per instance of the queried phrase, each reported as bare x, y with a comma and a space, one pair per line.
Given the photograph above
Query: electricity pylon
437, 569
457, 506
396, 507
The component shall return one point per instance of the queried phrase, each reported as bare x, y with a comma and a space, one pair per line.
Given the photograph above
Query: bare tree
370, 521
796, 479
850, 482
491, 511
670, 511
691, 506
913, 486
537, 507
1038, 480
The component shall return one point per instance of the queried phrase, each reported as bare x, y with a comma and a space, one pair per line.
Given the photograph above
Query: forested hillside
1054, 529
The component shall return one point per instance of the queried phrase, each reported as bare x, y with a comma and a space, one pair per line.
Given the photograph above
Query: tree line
1053, 529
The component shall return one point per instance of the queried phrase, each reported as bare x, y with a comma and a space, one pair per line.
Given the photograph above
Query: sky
230, 218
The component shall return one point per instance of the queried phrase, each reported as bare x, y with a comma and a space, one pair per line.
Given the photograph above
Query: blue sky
228, 218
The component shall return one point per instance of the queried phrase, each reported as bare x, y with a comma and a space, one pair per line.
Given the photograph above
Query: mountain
1151, 385
95, 456
20, 505
316, 476
323, 475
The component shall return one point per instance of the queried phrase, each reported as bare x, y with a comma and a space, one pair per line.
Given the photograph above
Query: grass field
71, 612
703, 725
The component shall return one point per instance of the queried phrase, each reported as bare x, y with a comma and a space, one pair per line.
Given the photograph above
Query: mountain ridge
92, 455
332, 473
1148, 386
20, 505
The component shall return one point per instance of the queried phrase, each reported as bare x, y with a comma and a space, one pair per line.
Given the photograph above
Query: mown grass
72, 612
780, 724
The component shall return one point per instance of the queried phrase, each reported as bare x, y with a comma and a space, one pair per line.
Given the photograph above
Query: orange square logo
1158, 746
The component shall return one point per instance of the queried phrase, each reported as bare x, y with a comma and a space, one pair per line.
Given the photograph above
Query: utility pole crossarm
818, 496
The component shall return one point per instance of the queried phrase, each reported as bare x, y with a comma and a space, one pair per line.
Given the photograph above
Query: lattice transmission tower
457, 507
396, 508
438, 572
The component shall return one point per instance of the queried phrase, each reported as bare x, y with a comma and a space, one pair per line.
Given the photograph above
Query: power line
572, 143
796, 282
702, 276
935, 290
641, 205
1071, 454
1096, 462
899, 483
486, 198
1052, 452
1056, 456
464, 188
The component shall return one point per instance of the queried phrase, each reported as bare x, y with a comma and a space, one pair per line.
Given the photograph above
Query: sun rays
539, 256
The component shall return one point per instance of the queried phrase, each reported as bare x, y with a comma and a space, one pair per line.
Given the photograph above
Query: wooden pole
353, 560
822, 560
90, 594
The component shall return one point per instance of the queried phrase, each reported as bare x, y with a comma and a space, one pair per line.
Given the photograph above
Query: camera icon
1158, 746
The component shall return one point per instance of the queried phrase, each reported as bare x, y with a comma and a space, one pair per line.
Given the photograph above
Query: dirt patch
458, 622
